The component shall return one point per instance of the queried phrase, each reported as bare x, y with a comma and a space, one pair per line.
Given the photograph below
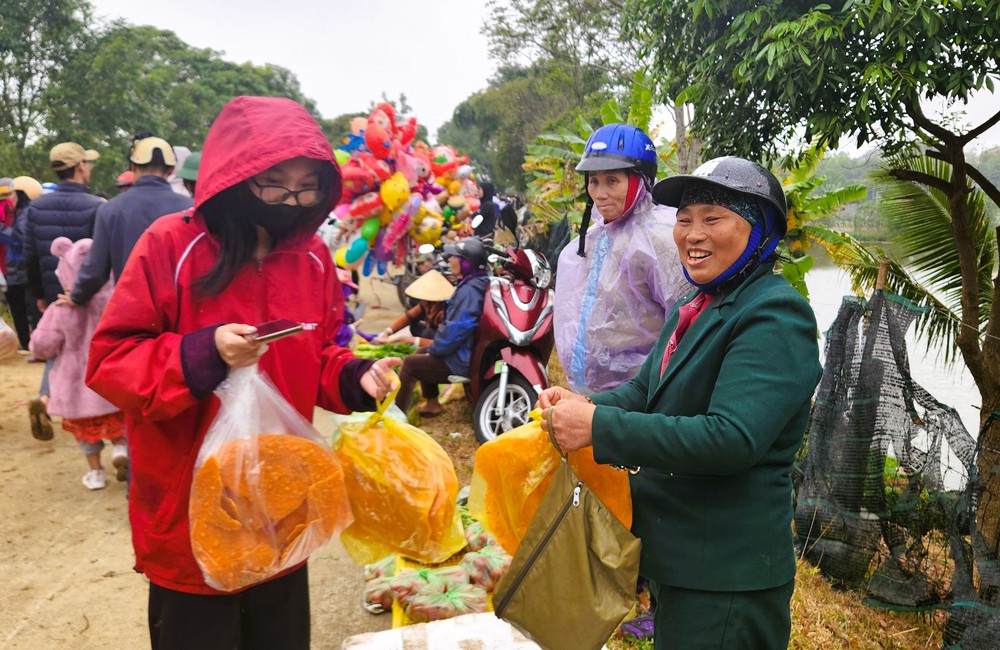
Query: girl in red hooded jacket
191, 292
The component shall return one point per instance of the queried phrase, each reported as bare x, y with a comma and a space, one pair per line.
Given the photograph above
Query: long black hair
225, 218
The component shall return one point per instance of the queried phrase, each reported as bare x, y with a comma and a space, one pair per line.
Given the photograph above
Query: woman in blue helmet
713, 420
616, 284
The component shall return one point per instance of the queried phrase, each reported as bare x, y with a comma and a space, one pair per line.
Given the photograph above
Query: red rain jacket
154, 326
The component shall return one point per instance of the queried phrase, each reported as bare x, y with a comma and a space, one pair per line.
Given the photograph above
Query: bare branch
917, 115
979, 130
921, 178
987, 186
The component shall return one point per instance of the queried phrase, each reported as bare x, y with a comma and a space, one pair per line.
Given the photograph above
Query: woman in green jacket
714, 419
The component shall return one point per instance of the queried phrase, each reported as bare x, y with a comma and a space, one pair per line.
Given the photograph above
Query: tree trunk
688, 148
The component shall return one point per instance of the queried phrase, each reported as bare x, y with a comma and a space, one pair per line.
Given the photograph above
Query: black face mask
278, 220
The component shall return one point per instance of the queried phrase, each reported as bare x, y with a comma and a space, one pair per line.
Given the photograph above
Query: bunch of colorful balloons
395, 185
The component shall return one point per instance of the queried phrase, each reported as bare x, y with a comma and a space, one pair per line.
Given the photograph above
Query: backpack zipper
572, 500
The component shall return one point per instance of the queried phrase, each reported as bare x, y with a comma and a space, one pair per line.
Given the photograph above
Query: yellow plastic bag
402, 487
512, 473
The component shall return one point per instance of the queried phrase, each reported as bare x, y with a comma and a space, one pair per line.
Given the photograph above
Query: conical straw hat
430, 286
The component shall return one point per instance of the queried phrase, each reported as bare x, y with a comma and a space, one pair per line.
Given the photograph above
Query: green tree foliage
36, 37
64, 77
131, 80
575, 35
495, 125
808, 214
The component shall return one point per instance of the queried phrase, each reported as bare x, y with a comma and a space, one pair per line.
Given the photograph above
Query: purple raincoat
611, 304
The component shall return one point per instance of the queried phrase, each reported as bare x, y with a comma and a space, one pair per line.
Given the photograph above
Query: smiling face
709, 239
608, 189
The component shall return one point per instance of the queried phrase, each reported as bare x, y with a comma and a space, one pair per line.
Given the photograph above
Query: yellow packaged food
402, 488
513, 471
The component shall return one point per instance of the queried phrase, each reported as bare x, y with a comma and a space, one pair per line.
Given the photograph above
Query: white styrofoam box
457, 633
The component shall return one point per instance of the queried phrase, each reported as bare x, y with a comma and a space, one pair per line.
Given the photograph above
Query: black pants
273, 614
426, 368
24, 310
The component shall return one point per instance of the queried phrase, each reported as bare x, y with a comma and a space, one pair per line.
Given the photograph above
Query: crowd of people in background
63, 247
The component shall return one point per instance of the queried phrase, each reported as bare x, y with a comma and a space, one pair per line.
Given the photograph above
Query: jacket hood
254, 133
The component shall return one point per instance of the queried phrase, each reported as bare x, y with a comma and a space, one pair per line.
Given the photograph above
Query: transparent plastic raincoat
611, 304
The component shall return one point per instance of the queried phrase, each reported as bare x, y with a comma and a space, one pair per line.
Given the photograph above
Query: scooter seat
458, 379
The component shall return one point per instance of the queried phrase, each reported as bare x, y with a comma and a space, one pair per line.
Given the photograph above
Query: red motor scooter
513, 343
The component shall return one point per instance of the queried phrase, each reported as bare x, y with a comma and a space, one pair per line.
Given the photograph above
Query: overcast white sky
347, 53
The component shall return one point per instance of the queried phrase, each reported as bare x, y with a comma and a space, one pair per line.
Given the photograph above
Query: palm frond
921, 218
938, 323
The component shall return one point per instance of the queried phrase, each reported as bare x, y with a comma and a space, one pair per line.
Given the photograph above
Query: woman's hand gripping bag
512, 473
402, 487
266, 491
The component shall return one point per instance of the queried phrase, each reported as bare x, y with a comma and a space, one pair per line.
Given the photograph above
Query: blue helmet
619, 146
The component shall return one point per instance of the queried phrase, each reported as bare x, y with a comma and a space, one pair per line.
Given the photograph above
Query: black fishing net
887, 486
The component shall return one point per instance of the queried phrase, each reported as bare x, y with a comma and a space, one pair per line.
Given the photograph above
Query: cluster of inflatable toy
395, 185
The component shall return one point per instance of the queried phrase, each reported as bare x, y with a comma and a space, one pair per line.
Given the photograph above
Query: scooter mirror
426, 249
476, 220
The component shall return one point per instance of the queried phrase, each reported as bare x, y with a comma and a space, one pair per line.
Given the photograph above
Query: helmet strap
585, 221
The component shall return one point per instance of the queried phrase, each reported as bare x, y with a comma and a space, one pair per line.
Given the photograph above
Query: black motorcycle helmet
470, 249
739, 174
750, 181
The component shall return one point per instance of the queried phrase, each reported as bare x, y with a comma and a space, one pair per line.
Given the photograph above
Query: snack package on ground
266, 490
486, 566
384, 567
378, 594
512, 473
477, 537
431, 605
410, 581
402, 487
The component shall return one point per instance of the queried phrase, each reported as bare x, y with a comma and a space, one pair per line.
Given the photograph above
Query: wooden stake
883, 274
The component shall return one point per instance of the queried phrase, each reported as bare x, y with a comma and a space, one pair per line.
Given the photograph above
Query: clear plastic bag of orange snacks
402, 487
512, 473
266, 490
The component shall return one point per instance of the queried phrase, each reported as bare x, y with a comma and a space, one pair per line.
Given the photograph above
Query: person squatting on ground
616, 284
421, 321
713, 419
451, 350
192, 290
65, 334
68, 211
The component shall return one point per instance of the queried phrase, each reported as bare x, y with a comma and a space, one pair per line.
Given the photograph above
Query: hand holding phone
274, 330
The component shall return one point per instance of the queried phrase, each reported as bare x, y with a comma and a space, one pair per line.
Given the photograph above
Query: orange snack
262, 504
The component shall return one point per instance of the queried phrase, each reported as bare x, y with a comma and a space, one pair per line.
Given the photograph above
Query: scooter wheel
520, 397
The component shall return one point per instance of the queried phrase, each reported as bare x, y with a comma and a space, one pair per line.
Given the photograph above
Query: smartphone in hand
274, 330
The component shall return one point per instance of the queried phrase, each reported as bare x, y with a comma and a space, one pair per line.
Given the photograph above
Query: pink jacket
64, 333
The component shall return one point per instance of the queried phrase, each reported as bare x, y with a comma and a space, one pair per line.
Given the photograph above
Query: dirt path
66, 577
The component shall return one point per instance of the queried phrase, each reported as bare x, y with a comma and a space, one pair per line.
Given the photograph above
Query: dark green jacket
716, 438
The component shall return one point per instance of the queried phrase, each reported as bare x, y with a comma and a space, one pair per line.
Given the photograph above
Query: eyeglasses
275, 194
